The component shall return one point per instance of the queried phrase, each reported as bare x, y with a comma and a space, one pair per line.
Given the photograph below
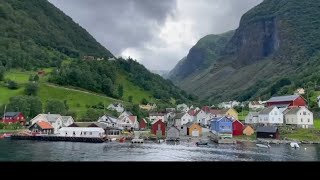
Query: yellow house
148, 107
248, 131
194, 129
232, 113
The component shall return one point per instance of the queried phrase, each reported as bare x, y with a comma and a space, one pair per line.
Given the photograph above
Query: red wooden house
158, 128
143, 124
287, 101
237, 127
14, 117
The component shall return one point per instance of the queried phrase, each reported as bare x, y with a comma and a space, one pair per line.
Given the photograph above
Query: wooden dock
58, 138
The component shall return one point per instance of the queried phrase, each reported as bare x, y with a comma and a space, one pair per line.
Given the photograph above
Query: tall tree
120, 91
2, 70
55, 107
29, 106
31, 89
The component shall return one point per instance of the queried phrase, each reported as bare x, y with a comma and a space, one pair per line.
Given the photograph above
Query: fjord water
11, 150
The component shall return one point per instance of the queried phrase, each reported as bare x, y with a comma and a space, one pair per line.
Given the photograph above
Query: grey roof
254, 113
82, 124
267, 129
189, 124
53, 117
266, 110
11, 114
65, 118
282, 110
293, 111
179, 115
283, 98
173, 127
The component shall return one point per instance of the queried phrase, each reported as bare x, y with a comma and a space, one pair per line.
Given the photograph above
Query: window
275, 113
308, 120
74, 133
182, 127
85, 133
304, 113
159, 127
90, 133
301, 120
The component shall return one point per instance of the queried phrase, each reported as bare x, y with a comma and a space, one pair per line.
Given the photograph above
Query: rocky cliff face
276, 40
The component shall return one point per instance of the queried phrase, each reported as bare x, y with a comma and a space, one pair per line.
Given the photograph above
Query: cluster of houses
173, 123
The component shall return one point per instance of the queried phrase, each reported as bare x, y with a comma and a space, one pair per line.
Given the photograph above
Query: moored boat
294, 145
263, 145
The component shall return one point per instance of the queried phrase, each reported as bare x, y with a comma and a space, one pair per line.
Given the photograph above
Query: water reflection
151, 151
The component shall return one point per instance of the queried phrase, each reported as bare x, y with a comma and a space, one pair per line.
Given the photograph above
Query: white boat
263, 146
113, 139
294, 145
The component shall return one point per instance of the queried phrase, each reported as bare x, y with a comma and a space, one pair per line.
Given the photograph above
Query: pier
58, 138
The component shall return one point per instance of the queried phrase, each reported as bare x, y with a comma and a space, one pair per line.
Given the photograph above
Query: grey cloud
118, 24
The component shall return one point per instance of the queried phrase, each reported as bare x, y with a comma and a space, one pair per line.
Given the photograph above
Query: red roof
206, 109
132, 118
44, 125
192, 112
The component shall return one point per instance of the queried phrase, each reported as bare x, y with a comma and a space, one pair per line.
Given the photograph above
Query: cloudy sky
158, 33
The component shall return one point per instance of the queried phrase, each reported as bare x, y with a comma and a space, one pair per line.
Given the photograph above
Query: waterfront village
265, 121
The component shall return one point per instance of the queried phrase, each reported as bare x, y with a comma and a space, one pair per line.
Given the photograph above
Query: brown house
248, 131
194, 129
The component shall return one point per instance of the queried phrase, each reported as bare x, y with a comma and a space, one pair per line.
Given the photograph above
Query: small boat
263, 146
7, 136
201, 143
122, 140
294, 145
113, 139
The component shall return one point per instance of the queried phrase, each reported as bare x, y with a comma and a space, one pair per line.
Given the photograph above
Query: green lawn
317, 124
18, 76
131, 90
77, 101
303, 135
6, 93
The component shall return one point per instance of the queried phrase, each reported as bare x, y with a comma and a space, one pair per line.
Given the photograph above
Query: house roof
192, 112
255, 103
132, 119
266, 110
11, 114
219, 111
221, 118
65, 118
197, 112
238, 121
44, 125
189, 124
179, 115
144, 120
156, 121
267, 129
87, 129
108, 118
293, 110
82, 124
156, 114
52, 117
282, 109
255, 114
283, 98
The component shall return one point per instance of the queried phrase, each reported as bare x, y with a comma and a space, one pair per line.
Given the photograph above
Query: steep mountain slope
35, 34
202, 55
277, 41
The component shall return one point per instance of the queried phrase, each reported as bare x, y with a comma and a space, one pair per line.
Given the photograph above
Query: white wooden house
116, 107
182, 119
252, 118
157, 116
109, 121
300, 117
56, 120
182, 108
87, 132
200, 116
271, 115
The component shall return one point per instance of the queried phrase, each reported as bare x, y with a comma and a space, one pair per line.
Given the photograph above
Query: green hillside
35, 35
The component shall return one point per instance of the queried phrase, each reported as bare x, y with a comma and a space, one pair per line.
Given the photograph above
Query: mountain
274, 50
162, 73
202, 55
35, 34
